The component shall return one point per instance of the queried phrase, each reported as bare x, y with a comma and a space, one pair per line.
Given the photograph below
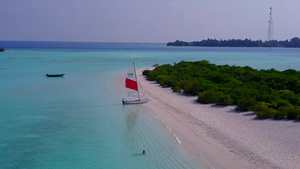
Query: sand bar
221, 137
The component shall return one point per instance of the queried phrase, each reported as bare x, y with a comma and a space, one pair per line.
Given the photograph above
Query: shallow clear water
77, 121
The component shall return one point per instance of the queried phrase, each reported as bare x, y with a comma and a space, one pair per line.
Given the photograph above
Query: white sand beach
222, 138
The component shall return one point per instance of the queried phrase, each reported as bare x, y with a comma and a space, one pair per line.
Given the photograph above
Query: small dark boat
54, 75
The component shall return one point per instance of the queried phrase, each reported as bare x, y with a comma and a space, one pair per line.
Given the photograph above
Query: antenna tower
270, 30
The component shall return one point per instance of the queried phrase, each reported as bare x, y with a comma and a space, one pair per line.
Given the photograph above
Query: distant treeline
269, 93
293, 43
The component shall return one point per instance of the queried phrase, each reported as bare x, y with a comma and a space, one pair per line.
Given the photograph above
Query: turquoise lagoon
78, 121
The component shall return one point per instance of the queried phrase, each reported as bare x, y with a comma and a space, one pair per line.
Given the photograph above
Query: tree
294, 42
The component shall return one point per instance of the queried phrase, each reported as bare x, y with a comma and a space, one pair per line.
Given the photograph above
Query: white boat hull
140, 101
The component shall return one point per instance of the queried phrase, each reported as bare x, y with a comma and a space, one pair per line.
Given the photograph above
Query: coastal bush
231, 82
278, 102
163, 80
225, 100
245, 103
146, 72
204, 85
289, 96
287, 112
292, 112
279, 115
245, 98
209, 96
189, 88
177, 89
263, 111
244, 87
298, 117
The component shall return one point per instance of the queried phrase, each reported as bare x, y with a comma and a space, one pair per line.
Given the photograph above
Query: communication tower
270, 30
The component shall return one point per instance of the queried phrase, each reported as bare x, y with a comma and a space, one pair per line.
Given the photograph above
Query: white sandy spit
221, 137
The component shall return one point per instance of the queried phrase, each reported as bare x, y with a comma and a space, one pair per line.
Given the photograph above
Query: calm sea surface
78, 122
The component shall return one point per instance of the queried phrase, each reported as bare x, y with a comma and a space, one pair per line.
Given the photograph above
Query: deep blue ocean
78, 121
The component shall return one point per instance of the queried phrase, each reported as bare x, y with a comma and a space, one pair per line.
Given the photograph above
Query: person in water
144, 152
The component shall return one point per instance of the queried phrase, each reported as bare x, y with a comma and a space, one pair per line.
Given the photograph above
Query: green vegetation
293, 43
269, 93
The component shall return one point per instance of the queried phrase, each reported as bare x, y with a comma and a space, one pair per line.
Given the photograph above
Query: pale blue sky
146, 20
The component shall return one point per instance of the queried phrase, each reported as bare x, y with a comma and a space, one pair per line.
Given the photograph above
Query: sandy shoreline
222, 138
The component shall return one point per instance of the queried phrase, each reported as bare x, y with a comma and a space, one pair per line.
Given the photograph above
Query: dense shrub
263, 111
225, 100
245, 104
279, 115
163, 80
245, 87
289, 96
209, 96
146, 72
189, 87
298, 117
292, 112
266, 113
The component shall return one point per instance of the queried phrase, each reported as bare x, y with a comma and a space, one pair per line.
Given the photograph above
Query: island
220, 136
293, 43
270, 94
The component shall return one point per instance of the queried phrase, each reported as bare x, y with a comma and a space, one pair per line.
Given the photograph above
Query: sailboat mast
137, 85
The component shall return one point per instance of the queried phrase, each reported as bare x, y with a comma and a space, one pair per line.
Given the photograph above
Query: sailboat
132, 89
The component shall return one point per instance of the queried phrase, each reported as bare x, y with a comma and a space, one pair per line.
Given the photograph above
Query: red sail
131, 84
